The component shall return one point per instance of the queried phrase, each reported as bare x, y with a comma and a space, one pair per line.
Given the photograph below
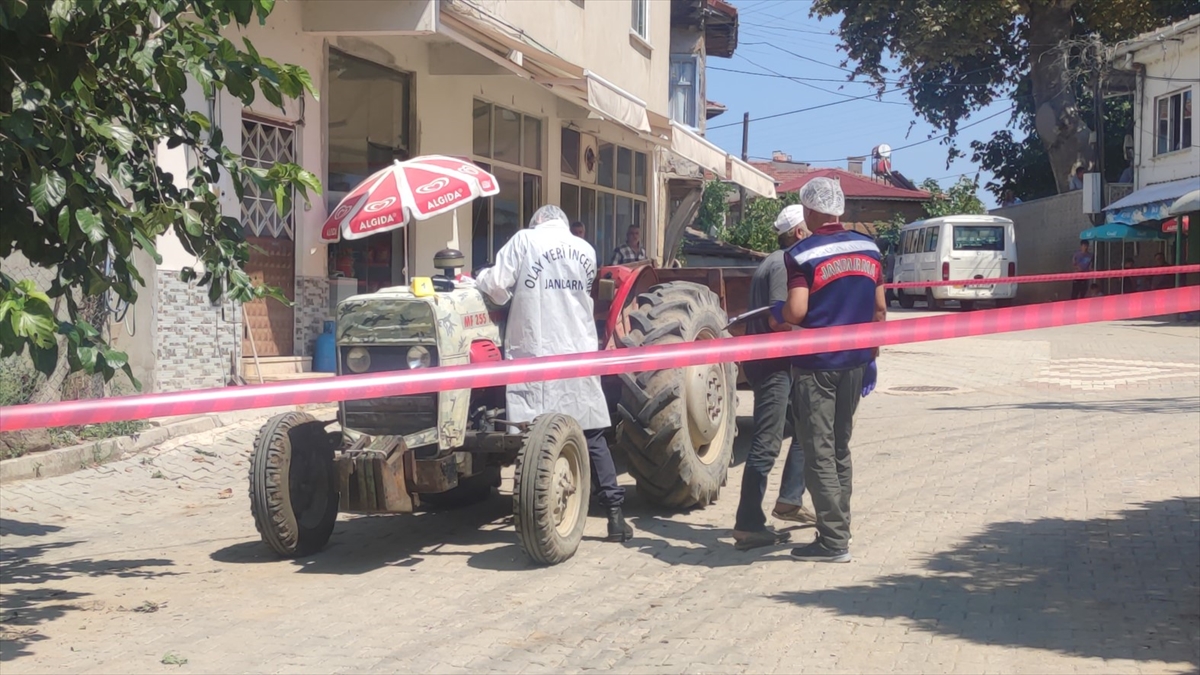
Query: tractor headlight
358, 360
418, 357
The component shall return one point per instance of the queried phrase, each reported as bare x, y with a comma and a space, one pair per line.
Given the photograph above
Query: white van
956, 247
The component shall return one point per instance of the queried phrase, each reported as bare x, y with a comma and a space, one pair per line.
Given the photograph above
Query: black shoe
618, 529
744, 541
816, 552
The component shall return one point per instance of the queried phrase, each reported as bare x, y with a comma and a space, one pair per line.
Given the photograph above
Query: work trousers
604, 471
772, 397
824, 402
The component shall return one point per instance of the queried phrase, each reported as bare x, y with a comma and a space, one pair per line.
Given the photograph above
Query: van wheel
906, 301
929, 299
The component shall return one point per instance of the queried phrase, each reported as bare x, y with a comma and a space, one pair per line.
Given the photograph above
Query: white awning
1156, 193
696, 148
616, 104
751, 178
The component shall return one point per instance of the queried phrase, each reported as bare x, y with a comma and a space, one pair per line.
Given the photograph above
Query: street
1028, 502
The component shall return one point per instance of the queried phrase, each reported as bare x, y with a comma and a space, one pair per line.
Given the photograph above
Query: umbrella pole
1178, 248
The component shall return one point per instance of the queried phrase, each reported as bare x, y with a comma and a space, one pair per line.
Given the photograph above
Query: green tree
714, 206
756, 230
90, 87
956, 57
962, 198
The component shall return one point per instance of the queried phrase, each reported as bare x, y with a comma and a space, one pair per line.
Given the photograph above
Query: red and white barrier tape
748, 348
1043, 278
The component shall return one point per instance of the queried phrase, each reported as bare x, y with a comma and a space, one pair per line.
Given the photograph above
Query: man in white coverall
547, 273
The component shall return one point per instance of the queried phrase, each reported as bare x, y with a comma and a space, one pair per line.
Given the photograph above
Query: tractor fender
626, 279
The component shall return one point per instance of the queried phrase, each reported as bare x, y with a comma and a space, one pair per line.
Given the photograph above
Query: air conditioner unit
589, 158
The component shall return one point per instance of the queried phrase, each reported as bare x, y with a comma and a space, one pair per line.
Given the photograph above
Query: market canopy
1118, 232
1188, 203
1149, 203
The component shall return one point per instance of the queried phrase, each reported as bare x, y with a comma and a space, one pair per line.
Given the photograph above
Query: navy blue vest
842, 271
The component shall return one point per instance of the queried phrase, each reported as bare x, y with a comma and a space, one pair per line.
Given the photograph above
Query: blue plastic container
325, 356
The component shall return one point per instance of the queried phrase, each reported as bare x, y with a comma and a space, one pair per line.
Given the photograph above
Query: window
978, 238
369, 127
263, 145
616, 201
641, 19
931, 242
1173, 122
685, 90
509, 145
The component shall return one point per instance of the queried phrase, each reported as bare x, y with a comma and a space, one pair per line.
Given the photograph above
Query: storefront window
513, 143
618, 199
369, 127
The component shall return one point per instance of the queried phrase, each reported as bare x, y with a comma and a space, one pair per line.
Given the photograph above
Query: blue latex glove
869, 378
777, 311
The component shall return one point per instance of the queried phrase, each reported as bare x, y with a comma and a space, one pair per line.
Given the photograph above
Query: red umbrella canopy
418, 189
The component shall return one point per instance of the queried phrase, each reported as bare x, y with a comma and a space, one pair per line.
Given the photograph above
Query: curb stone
62, 461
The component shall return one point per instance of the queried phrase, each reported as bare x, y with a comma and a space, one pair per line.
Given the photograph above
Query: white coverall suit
547, 272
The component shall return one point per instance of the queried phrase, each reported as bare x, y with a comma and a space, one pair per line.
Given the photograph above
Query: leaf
87, 358
60, 16
64, 224
37, 327
148, 246
309, 180
192, 222
91, 225
306, 80
121, 135
115, 358
48, 192
45, 359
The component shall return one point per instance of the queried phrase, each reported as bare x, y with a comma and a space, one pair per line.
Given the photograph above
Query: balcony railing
1115, 191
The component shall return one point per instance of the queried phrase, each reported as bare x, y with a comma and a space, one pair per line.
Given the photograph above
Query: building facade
598, 107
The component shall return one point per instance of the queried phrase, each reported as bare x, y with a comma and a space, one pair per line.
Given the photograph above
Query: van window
906, 242
932, 241
978, 238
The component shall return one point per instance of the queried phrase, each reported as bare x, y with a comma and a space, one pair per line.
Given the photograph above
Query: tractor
675, 428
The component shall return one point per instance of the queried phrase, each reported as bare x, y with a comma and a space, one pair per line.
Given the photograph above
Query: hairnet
546, 214
791, 217
823, 195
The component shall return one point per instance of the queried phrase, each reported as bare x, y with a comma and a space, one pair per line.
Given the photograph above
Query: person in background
835, 278
772, 384
632, 251
1076, 180
1128, 284
1009, 198
547, 274
1081, 262
1126, 175
1161, 281
1094, 291
578, 229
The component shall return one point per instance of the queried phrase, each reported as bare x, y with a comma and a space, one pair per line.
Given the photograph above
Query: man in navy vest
835, 278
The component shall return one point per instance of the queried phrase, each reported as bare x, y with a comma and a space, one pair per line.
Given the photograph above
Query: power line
812, 86
789, 77
795, 112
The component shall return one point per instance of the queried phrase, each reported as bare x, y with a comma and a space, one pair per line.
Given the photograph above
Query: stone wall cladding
197, 344
312, 310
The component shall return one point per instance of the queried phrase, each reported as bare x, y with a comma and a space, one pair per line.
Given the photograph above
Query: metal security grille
264, 145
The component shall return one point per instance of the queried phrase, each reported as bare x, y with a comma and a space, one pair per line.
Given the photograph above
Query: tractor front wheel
676, 426
293, 484
551, 488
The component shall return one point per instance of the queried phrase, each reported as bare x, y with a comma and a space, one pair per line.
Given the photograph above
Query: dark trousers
824, 402
772, 395
1079, 289
604, 472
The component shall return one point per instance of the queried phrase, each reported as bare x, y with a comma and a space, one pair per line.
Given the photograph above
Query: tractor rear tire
552, 486
676, 426
293, 484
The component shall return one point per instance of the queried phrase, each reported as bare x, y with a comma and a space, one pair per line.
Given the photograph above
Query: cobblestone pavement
1020, 521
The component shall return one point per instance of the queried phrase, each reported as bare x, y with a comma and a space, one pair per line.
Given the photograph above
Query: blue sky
767, 29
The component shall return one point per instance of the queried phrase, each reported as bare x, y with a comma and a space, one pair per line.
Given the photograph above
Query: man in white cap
772, 383
835, 278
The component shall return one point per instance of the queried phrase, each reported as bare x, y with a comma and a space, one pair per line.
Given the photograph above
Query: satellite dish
883, 151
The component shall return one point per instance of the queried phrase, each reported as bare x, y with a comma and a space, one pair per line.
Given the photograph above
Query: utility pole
745, 158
